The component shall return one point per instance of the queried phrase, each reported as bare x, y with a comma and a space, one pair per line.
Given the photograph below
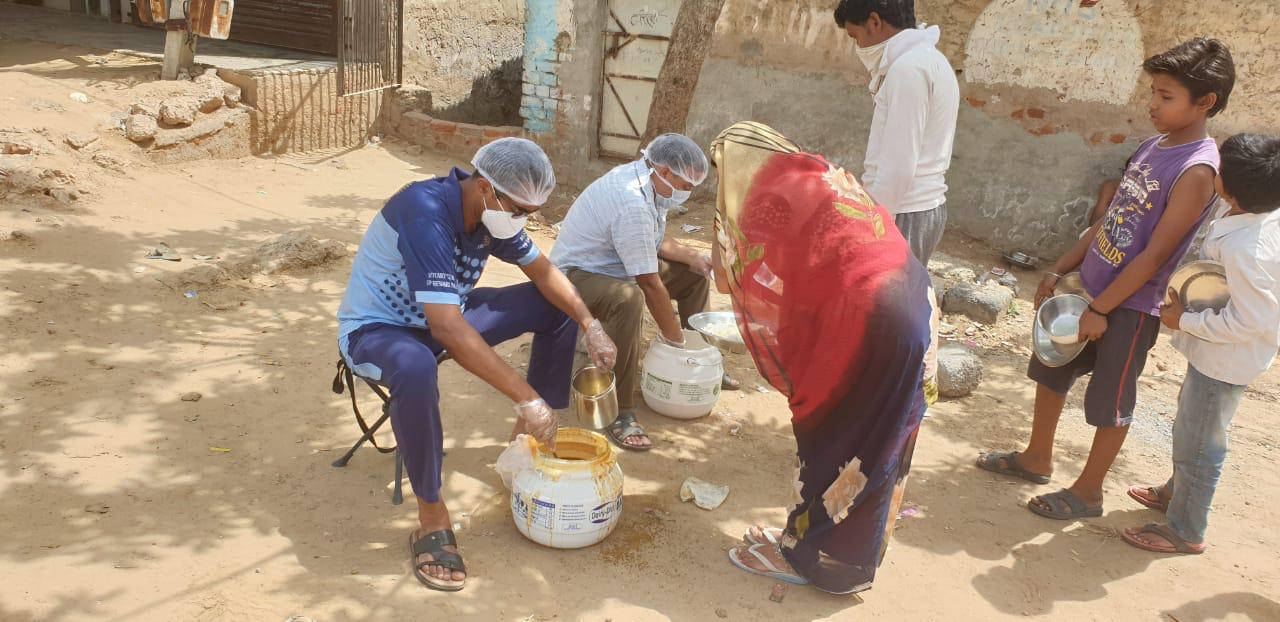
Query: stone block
148, 107
140, 128
542, 91
959, 370
211, 98
530, 101
986, 303
527, 88
179, 111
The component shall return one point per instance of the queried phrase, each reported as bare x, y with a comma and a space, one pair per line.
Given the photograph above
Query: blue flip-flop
773, 573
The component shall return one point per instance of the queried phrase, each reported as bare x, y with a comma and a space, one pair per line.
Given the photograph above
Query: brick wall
540, 100
460, 140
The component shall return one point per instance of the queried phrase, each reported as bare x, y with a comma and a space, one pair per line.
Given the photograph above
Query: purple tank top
1132, 217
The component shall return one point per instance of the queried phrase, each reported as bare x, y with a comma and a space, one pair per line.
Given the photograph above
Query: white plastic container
571, 499
682, 383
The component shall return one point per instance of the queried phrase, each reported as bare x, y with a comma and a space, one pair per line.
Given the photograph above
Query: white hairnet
518, 168
681, 154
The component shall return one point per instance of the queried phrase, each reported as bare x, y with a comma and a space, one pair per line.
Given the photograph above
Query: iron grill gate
369, 45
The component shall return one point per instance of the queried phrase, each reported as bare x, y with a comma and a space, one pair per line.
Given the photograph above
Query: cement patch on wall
1084, 54
468, 54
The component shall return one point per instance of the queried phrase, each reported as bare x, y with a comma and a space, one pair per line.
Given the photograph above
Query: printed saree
837, 316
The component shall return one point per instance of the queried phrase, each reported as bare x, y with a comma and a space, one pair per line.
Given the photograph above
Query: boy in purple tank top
1125, 261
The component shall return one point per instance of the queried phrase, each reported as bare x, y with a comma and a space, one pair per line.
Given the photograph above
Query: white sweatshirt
914, 126
1238, 343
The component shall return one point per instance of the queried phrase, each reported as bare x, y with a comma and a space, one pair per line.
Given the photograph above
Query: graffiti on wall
1088, 54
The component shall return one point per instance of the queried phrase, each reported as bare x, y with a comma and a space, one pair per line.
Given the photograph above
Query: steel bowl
1071, 283
1021, 260
1201, 285
720, 329
1050, 353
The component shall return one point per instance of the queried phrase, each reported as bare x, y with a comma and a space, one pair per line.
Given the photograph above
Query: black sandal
625, 427
433, 544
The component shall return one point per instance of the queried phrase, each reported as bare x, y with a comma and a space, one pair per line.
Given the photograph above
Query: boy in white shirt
1225, 350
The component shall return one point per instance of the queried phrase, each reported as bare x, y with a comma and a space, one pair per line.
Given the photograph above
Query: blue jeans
1205, 409
404, 360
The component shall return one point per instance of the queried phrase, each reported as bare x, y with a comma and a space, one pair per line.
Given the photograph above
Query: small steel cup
595, 397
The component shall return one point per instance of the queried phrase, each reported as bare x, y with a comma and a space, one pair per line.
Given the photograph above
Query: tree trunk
690, 41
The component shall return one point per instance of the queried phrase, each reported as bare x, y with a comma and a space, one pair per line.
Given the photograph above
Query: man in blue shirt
412, 295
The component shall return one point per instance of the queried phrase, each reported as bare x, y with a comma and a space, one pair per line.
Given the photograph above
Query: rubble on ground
24, 174
14, 235
297, 251
175, 113
80, 140
291, 252
109, 161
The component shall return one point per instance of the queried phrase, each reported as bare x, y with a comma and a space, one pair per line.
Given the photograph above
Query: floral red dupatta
808, 257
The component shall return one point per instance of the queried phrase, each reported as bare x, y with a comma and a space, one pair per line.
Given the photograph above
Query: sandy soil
116, 507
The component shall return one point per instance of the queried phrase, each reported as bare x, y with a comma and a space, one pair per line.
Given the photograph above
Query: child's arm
1186, 203
1066, 263
1252, 311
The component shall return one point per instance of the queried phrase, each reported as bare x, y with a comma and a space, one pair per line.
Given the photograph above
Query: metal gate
636, 41
369, 45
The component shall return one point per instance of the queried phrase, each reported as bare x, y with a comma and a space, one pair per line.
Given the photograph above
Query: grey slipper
992, 462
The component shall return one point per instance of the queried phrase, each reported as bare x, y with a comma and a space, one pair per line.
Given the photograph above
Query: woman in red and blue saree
837, 315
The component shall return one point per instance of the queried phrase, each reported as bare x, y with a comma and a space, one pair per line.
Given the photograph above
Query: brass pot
595, 397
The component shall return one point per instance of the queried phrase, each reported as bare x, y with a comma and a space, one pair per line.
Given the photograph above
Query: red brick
444, 127
498, 132
1019, 113
1097, 138
468, 129
975, 102
1118, 138
1035, 113
1045, 130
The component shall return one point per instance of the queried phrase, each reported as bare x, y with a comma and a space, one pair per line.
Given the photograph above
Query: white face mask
871, 57
678, 196
501, 225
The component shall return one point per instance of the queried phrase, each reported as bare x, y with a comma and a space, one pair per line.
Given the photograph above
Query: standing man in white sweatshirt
917, 99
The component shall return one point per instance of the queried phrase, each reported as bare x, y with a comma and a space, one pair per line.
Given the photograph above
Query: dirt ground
121, 501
